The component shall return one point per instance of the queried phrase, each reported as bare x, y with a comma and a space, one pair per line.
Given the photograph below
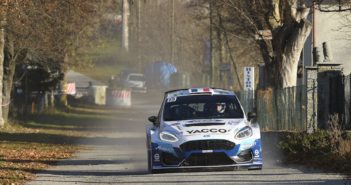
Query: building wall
331, 27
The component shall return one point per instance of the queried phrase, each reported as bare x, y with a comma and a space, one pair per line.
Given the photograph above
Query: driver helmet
221, 107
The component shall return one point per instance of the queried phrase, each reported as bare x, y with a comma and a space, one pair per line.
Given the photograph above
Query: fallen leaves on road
41, 141
19, 160
21, 157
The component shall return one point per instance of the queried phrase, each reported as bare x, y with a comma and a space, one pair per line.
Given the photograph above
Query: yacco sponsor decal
212, 130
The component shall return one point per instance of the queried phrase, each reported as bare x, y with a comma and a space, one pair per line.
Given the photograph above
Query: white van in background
135, 81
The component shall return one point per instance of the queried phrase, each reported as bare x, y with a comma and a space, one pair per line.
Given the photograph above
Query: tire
149, 162
157, 171
149, 155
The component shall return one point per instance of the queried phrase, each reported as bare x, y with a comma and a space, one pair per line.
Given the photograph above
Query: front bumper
248, 166
207, 154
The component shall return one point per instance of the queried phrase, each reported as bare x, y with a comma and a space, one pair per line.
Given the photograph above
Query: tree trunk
62, 103
12, 58
9, 71
52, 100
2, 55
289, 58
282, 54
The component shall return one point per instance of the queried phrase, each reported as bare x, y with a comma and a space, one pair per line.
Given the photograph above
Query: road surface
120, 158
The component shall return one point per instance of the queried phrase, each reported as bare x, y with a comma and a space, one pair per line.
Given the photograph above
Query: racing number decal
171, 99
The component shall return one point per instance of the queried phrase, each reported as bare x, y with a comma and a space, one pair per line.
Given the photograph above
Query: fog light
243, 156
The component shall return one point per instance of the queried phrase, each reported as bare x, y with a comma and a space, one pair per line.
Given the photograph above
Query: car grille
207, 145
208, 159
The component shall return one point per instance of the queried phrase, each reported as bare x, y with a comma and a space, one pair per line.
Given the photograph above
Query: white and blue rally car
202, 128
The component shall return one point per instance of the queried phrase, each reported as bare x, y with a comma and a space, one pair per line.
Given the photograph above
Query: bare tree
3, 21
45, 32
289, 28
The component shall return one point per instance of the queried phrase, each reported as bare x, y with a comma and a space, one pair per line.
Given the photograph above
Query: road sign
249, 78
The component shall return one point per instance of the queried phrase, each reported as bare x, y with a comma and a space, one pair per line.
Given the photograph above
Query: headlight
244, 133
166, 136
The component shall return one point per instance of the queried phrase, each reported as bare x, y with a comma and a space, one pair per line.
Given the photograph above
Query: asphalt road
120, 158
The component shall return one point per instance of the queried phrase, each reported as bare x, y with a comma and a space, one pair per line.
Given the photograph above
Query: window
202, 107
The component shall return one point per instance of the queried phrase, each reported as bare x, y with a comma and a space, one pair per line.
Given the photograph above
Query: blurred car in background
135, 81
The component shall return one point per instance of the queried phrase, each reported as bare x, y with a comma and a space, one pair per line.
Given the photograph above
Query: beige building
335, 29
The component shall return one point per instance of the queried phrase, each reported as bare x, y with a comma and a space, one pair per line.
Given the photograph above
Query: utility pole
125, 30
313, 24
211, 46
172, 32
315, 51
138, 34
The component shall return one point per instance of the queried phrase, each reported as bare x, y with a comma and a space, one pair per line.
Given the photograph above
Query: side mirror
153, 119
251, 116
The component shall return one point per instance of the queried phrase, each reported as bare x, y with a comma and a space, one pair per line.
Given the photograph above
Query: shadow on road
64, 139
69, 162
141, 176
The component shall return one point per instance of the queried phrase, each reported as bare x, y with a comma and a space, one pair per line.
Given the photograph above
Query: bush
303, 146
327, 149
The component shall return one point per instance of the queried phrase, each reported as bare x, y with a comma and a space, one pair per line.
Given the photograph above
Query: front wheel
148, 148
149, 162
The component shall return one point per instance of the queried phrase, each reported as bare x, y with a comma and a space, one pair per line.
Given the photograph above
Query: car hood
216, 128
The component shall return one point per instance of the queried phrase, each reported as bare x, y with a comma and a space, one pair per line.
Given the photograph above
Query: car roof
198, 91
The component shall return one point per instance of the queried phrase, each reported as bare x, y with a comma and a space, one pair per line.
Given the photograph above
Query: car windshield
202, 107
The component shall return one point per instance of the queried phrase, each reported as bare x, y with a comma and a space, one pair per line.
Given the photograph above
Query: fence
280, 109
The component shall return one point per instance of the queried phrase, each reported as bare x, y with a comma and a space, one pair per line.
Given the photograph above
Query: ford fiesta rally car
202, 128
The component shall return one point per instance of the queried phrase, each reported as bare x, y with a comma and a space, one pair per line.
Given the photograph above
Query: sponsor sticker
157, 157
207, 151
211, 131
257, 154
